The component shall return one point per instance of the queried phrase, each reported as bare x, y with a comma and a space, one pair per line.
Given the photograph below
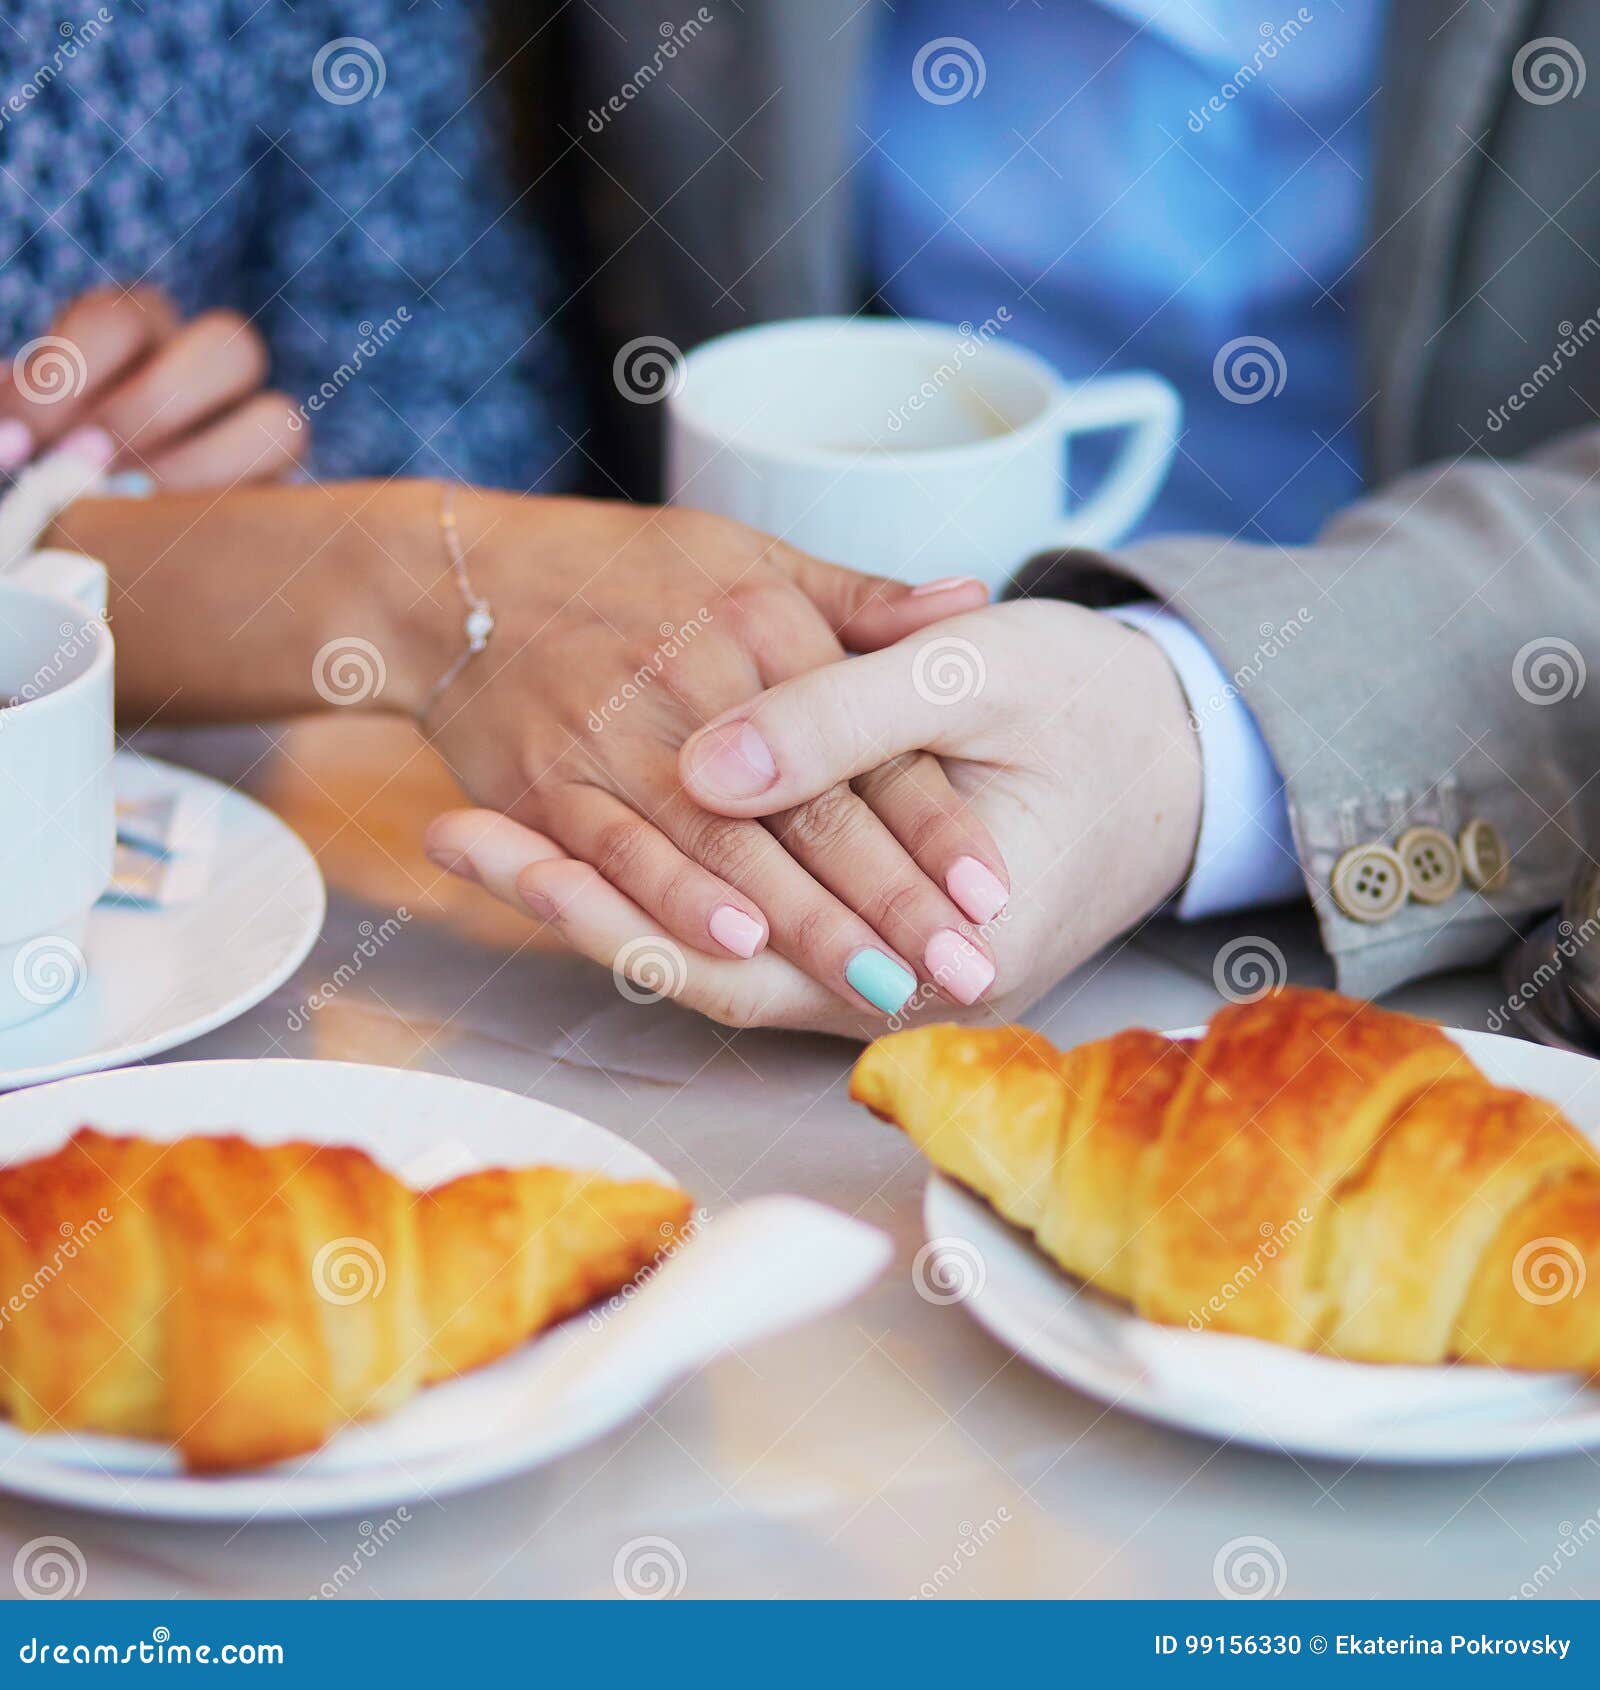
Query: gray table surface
862, 1454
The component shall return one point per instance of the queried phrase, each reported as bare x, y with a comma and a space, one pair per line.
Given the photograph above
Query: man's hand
120, 378
619, 632
1065, 732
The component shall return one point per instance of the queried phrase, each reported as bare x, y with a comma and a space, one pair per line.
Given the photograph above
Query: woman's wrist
417, 614
442, 586
273, 601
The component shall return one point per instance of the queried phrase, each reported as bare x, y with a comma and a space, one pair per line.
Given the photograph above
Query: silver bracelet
479, 623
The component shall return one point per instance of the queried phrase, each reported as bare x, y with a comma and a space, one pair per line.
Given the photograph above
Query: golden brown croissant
245, 1302
1314, 1171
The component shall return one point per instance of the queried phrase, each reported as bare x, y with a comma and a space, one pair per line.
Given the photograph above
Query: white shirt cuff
1245, 855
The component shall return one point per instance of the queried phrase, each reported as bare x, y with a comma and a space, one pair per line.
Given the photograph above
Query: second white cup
908, 449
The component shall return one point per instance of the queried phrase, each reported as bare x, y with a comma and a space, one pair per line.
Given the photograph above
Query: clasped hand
678, 771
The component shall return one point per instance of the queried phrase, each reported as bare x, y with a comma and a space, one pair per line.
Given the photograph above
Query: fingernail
945, 584
453, 862
735, 931
977, 891
92, 446
956, 967
880, 980
131, 484
734, 761
16, 443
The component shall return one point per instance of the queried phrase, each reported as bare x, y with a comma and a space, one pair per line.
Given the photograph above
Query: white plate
427, 1128
160, 977
1243, 1391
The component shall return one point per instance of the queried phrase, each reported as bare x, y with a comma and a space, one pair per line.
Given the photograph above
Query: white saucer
1240, 1390
425, 1127
159, 977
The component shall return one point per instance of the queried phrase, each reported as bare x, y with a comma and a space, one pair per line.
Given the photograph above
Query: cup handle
1150, 409
62, 575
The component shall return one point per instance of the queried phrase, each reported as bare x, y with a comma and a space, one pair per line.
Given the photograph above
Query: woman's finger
487, 847
256, 441
809, 926
836, 947
842, 722
55, 381
206, 368
529, 871
596, 920
867, 612
851, 852
912, 796
638, 859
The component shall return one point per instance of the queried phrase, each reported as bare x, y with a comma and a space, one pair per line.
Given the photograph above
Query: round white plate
156, 978
425, 1127
1243, 1391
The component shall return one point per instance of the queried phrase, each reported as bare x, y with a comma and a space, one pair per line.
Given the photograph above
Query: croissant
244, 1302
1313, 1171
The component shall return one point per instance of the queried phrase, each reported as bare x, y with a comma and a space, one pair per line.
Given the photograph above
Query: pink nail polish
733, 761
956, 968
92, 446
453, 862
978, 892
735, 931
16, 443
945, 584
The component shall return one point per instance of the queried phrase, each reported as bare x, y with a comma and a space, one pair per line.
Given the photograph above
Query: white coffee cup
909, 449
57, 806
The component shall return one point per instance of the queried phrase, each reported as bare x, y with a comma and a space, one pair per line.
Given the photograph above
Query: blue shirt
1144, 183
237, 154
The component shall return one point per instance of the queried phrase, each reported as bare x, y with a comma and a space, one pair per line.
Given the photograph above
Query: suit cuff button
1485, 861
1369, 883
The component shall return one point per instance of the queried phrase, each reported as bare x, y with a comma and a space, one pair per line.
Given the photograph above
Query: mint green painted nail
880, 980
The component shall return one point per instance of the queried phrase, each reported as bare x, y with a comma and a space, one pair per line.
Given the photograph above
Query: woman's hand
618, 632
1065, 732
121, 378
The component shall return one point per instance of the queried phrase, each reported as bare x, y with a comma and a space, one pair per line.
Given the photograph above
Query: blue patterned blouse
328, 169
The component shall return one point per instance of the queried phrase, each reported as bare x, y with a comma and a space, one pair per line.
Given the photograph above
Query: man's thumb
831, 724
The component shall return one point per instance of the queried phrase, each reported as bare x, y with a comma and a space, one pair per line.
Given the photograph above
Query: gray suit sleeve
1423, 661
